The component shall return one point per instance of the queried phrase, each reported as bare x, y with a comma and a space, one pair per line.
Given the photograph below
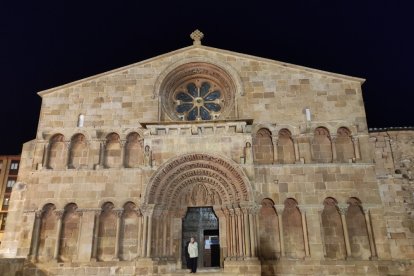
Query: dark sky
44, 44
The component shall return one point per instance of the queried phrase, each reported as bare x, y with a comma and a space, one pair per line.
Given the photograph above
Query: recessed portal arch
199, 180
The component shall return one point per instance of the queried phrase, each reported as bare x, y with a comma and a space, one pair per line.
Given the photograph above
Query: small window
10, 183
6, 201
14, 166
3, 222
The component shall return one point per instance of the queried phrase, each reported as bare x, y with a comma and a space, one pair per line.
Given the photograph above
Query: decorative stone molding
220, 177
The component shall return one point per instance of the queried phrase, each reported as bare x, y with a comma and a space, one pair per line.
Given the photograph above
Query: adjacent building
9, 167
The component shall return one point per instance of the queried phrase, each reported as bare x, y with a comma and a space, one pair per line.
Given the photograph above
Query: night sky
44, 44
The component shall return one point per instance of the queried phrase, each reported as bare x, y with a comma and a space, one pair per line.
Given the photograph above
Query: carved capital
38, 214
343, 210
59, 214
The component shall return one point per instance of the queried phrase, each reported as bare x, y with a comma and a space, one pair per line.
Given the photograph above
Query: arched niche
332, 230
293, 230
57, 152
263, 147
78, 154
344, 146
113, 151
268, 231
133, 151
47, 234
321, 146
68, 243
285, 147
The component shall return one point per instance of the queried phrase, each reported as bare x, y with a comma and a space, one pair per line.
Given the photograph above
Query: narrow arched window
332, 230
57, 152
68, 249
292, 230
344, 145
268, 231
285, 147
263, 147
133, 151
321, 146
113, 151
78, 156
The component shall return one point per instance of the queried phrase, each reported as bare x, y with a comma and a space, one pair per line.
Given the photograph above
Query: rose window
199, 100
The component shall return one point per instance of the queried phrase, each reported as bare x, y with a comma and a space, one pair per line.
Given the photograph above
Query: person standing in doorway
193, 252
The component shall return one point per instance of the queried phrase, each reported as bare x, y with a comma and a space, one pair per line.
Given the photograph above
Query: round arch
198, 179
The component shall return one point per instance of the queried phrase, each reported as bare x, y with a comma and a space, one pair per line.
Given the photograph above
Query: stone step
200, 271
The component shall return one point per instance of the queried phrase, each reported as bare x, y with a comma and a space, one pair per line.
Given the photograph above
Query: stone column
333, 147
357, 152
68, 154
311, 140
149, 213
122, 143
80, 215
102, 146
164, 236
305, 232
240, 235
95, 239
256, 233
139, 238
119, 214
275, 141
34, 247
45, 155
251, 232
247, 245
233, 232
296, 148
149, 236
343, 211
228, 232
281, 238
370, 235
144, 236
59, 215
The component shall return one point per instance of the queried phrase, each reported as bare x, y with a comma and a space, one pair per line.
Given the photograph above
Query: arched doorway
199, 180
202, 224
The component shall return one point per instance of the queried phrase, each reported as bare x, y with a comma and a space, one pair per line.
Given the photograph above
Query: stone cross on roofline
197, 36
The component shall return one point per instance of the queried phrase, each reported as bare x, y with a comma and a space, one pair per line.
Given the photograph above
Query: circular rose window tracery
198, 100
196, 92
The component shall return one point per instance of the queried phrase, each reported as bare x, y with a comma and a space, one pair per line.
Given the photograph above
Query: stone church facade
269, 165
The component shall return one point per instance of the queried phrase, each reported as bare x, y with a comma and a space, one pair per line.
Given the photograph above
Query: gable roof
207, 48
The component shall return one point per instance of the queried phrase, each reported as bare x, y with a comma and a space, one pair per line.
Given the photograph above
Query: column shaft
305, 233
229, 235
34, 247
252, 238
355, 142
149, 232
117, 235
139, 238
333, 147
281, 238
275, 155
95, 237
246, 223
296, 148
370, 235
346, 235
144, 236
164, 237
58, 232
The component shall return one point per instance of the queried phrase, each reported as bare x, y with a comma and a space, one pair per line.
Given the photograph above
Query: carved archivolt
197, 180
